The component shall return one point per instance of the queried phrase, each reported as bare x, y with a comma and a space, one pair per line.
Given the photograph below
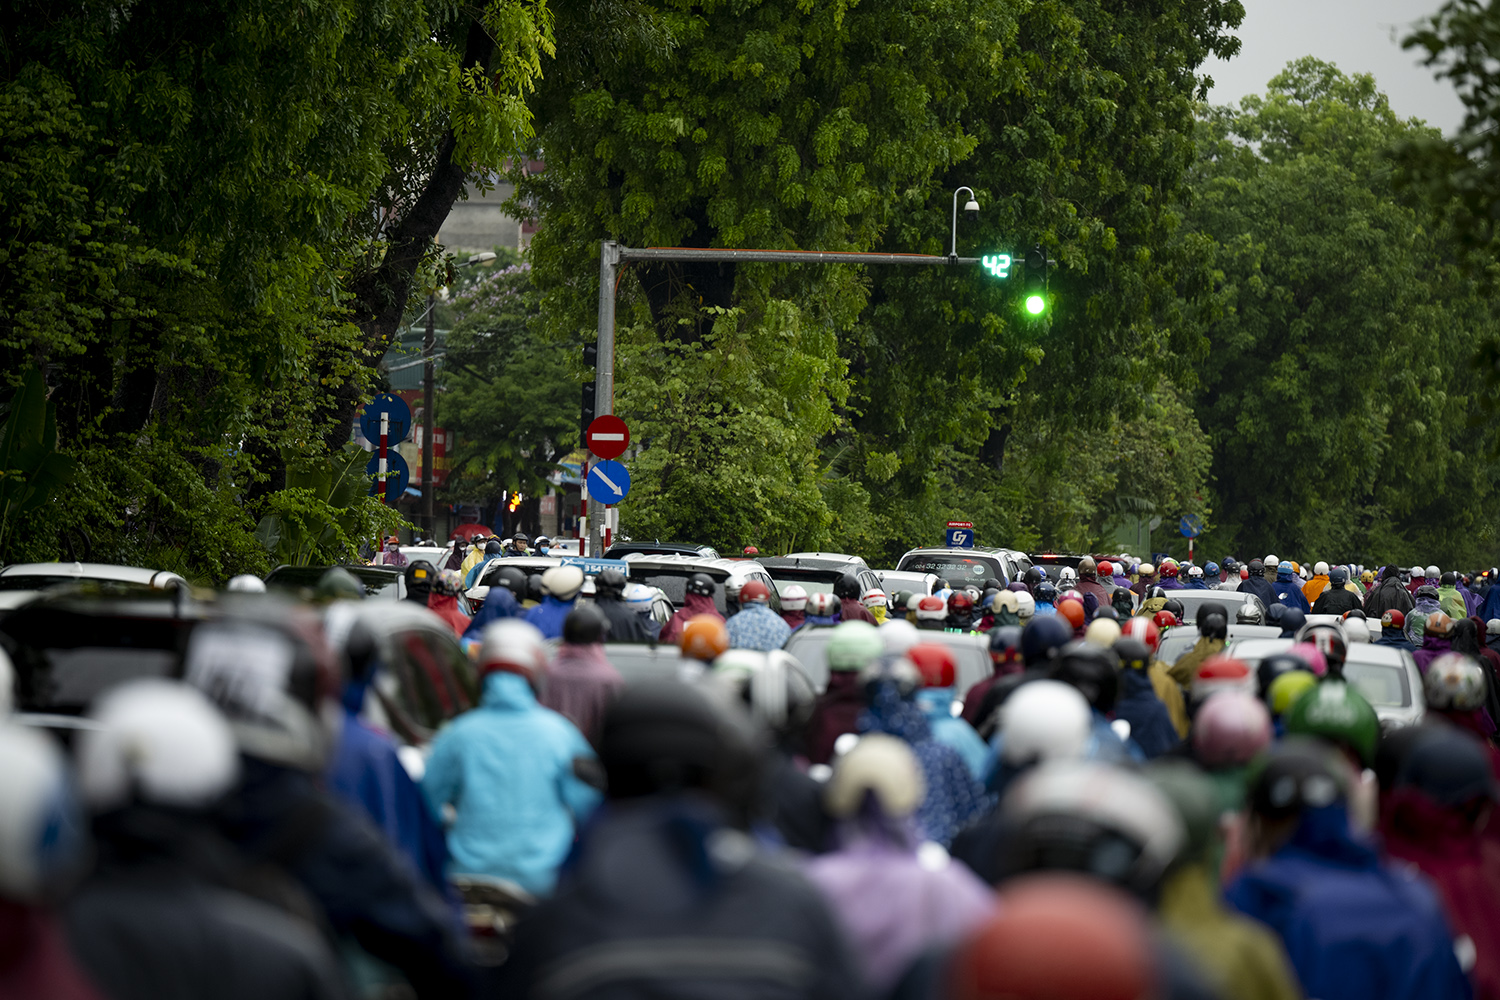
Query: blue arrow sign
596, 565
397, 427
397, 475
609, 482
1192, 526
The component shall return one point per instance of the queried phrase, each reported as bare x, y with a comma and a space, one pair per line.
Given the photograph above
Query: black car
620, 550
813, 573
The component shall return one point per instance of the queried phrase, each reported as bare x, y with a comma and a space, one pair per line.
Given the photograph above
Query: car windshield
673, 583
33, 581
377, 583
971, 569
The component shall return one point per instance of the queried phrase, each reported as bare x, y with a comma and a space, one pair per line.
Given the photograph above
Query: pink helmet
1312, 656
1230, 729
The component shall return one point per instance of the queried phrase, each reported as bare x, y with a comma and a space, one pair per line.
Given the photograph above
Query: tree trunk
380, 296
993, 451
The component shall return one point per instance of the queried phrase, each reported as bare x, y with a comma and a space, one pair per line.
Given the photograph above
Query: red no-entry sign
607, 436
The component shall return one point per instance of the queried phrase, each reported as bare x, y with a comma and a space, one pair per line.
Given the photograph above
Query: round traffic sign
1191, 526
608, 482
607, 436
397, 476
398, 425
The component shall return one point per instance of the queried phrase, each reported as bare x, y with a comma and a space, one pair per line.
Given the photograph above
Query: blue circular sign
397, 476
1192, 526
608, 482
398, 426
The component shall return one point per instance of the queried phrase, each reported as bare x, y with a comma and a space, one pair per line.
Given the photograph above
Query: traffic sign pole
385, 432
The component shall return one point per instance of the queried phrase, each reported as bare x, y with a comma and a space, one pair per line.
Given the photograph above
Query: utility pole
429, 344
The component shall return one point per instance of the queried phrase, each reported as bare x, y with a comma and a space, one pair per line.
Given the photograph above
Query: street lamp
429, 342
969, 206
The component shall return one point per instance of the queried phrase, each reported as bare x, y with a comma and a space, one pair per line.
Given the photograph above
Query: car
20, 582
1192, 600
1182, 638
530, 565
1372, 625
1052, 563
669, 574
645, 661
894, 581
565, 547
816, 571
626, 549
1388, 677
436, 555
967, 565
385, 582
809, 644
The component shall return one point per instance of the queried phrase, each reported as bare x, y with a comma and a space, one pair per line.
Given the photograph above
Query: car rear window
673, 583
1382, 686
32, 581
971, 569
295, 578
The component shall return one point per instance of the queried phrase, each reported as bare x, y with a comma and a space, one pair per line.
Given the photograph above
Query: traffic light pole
612, 258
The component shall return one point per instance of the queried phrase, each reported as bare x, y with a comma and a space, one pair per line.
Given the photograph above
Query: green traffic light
1036, 304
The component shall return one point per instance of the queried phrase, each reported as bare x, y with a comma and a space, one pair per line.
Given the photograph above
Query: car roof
829, 556
620, 549
976, 550
92, 571
694, 564
1357, 652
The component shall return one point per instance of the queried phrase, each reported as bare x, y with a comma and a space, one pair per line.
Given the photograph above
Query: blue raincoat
1288, 591
1150, 726
953, 796
1354, 928
549, 616
507, 769
953, 732
500, 603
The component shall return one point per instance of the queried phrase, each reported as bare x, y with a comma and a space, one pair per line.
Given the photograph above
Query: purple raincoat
581, 682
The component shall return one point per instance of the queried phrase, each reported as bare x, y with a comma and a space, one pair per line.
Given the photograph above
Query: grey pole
429, 341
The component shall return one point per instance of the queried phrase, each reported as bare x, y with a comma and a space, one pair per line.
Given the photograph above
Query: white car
21, 582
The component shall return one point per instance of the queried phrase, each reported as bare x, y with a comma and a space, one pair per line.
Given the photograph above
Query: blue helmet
1041, 636
1212, 569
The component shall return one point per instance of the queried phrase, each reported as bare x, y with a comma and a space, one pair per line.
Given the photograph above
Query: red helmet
751, 550
755, 592
1106, 568
936, 663
1244, 573
1143, 630
1168, 568
1222, 673
1393, 619
959, 601
930, 608
1071, 610
1165, 619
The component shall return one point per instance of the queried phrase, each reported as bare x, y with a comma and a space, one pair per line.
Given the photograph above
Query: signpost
608, 482
607, 436
960, 534
386, 420
1191, 527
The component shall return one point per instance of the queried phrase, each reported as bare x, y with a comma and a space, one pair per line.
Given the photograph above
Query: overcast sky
1357, 35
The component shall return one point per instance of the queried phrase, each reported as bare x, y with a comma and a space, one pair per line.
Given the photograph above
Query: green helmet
337, 583
853, 645
1339, 714
1194, 797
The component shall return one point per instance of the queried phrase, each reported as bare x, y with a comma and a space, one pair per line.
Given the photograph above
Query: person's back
508, 770
666, 897
757, 626
1352, 926
1150, 723
1336, 599
1387, 595
561, 584
697, 600
581, 682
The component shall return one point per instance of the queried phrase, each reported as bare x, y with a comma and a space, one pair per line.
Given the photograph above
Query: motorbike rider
846, 588
510, 770
1288, 589
474, 568
561, 585
697, 600
851, 648
581, 682
517, 546
794, 606
757, 626
1336, 599
624, 624
1088, 581
1169, 571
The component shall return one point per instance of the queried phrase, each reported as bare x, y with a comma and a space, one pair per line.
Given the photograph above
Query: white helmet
1066, 575
1433, 573
1025, 605
898, 635
1044, 720
873, 598
41, 831
821, 603
513, 646
794, 598
160, 741
1271, 562
1145, 569
638, 598
879, 765
1417, 571
246, 584
563, 582
1195, 572
1320, 569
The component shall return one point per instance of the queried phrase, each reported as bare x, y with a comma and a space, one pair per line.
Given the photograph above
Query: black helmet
1041, 636
1045, 592
1427, 590
534, 589
1034, 576
1004, 639
1273, 667
990, 583
493, 547
585, 626
666, 736
1274, 614
1175, 606
1295, 774
1448, 579
846, 587
1292, 619
1133, 653
420, 576
520, 536
512, 579
1213, 620
609, 583
701, 584
1107, 611
1094, 671
1231, 564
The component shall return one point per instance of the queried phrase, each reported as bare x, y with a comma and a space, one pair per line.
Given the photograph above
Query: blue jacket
549, 616
1197, 583
756, 626
1491, 606
1289, 593
500, 603
1150, 725
507, 769
365, 772
1354, 928
953, 732
1260, 587
1394, 637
